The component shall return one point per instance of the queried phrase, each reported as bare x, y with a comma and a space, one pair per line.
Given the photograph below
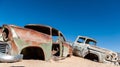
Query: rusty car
86, 47
35, 41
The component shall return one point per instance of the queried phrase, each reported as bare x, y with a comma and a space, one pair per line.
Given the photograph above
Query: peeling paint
35, 37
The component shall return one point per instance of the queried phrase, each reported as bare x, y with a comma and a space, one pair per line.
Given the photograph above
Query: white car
86, 47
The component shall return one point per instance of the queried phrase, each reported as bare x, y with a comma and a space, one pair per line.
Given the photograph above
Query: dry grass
68, 62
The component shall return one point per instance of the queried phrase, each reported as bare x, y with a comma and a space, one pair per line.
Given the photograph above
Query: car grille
3, 47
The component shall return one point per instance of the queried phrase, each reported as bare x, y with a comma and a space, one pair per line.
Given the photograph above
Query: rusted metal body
4, 51
86, 47
35, 41
1, 39
119, 58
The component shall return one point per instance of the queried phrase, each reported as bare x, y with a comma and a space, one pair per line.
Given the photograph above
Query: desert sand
68, 62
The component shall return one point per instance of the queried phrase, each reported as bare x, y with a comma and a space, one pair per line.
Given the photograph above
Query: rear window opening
43, 29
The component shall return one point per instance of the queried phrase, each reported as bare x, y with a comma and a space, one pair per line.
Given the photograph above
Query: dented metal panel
35, 41
86, 47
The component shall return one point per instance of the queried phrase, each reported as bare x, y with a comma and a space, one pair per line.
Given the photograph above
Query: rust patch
68, 46
14, 47
31, 35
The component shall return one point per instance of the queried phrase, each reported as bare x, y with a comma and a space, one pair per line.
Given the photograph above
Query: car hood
99, 49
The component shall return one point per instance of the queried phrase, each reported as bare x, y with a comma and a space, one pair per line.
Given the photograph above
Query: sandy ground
68, 62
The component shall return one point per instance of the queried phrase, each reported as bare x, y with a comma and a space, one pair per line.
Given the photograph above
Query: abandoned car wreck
41, 42
36, 41
86, 47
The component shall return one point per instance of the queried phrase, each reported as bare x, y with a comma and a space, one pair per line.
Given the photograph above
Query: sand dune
68, 62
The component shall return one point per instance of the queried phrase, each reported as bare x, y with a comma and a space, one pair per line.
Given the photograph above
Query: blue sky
99, 19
